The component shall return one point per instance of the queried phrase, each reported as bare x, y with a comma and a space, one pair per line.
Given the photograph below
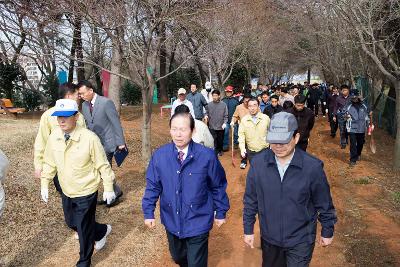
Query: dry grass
34, 234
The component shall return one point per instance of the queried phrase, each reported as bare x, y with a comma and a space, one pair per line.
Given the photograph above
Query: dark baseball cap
281, 128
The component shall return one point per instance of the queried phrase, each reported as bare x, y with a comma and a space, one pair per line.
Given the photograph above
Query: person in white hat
182, 100
78, 157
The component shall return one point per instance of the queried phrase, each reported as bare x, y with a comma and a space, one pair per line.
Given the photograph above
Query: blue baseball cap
65, 108
281, 128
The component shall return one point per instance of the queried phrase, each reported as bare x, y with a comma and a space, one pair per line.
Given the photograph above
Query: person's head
299, 102
246, 98
182, 108
216, 95
287, 105
67, 114
335, 90
274, 100
284, 91
345, 89
182, 94
295, 91
193, 88
86, 90
253, 106
264, 97
68, 91
181, 127
282, 134
229, 91
355, 99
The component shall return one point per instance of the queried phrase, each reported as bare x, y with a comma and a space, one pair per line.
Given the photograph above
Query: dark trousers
251, 154
357, 141
117, 189
333, 124
297, 256
218, 136
344, 136
57, 184
302, 144
227, 140
79, 214
323, 108
189, 252
313, 106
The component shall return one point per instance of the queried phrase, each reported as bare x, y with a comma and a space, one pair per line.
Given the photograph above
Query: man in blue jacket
289, 191
191, 184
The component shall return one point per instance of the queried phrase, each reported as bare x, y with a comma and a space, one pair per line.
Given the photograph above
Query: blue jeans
226, 136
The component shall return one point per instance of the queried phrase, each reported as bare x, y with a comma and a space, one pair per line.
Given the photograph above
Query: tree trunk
163, 67
396, 156
147, 96
115, 81
80, 71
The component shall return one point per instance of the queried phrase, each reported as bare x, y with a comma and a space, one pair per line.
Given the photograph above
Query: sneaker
76, 236
98, 245
243, 165
323, 116
220, 154
352, 163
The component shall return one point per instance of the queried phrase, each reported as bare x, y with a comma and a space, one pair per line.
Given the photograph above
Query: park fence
384, 106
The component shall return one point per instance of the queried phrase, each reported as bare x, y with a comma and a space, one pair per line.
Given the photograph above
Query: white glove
109, 197
324, 103
326, 110
232, 123
243, 154
223, 126
44, 192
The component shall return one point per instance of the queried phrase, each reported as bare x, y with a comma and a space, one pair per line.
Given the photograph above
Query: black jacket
270, 110
288, 210
305, 121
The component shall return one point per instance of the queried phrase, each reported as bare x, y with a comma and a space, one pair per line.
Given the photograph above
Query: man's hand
232, 123
219, 222
249, 240
243, 153
334, 118
44, 193
325, 241
109, 197
38, 173
121, 147
223, 126
151, 223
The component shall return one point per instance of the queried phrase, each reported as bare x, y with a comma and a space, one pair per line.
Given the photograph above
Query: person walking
264, 101
48, 124
252, 132
314, 95
231, 102
218, 119
331, 107
198, 101
340, 110
285, 96
4, 164
191, 184
357, 120
102, 118
182, 100
78, 157
202, 134
288, 191
305, 121
274, 107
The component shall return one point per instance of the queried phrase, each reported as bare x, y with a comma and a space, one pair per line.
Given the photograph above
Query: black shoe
221, 154
236, 146
333, 135
352, 163
225, 149
342, 146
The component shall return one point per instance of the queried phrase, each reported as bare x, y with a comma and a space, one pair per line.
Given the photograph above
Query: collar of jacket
190, 154
297, 159
75, 135
258, 116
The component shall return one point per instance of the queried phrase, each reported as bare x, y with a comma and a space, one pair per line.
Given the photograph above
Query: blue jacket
231, 103
264, 105
189, 193
359, 118
198, 101
288, 210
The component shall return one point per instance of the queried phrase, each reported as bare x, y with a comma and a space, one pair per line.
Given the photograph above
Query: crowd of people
269, 125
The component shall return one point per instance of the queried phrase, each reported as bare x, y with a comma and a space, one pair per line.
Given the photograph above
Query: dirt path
365, 234
33, 234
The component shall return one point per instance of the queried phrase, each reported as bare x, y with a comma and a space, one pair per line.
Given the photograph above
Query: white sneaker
243, 165
76, 236
100, 244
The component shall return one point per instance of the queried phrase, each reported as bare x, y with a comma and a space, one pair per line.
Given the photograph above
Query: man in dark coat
305, 119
